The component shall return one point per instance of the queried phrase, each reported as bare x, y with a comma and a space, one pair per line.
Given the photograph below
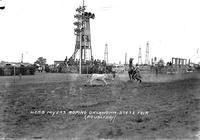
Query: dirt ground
63, 106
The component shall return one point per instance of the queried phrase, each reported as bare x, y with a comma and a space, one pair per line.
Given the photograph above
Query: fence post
20, 74
14, 74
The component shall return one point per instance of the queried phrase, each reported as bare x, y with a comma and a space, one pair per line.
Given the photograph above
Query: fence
11, 70
86, 69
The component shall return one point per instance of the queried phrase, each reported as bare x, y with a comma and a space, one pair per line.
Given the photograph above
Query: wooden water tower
83, 34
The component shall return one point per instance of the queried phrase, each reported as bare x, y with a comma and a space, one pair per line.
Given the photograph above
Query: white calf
101, 77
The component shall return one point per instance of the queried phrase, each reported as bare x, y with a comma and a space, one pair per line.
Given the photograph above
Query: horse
134, 74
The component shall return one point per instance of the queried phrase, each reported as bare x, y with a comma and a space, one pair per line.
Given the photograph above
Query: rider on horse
136, 69
134, 72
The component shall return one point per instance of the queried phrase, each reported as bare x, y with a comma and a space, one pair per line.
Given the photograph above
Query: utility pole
79, 32
22, 58
80, 63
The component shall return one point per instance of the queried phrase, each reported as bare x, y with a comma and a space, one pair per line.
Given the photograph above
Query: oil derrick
106, 53
83, 35
139, 57
125, 58
22, 58
147, 55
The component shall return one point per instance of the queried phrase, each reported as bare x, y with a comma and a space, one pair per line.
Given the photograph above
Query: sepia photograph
99, 70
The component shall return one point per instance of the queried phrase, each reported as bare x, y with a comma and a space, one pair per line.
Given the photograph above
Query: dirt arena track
41, 107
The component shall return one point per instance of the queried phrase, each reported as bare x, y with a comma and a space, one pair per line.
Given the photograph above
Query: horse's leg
138, 79
133, 77
130, 76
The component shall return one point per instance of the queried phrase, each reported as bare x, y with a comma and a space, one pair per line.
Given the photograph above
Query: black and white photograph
99, 70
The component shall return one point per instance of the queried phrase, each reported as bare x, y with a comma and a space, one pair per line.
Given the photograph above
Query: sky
44, 28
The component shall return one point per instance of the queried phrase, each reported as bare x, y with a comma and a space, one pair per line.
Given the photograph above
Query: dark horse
134, 74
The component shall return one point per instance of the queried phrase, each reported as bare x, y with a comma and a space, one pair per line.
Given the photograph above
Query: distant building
16, 64
56, 63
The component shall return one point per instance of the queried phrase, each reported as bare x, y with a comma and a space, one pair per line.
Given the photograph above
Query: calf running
101, 77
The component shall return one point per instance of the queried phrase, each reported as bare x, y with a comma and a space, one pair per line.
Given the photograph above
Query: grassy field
42, 107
